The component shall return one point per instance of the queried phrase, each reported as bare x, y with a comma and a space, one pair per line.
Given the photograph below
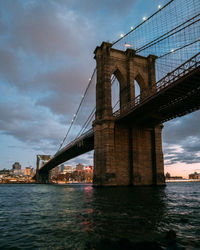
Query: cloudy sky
46, 59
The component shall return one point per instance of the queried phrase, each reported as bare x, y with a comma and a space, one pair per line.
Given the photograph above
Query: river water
82, 217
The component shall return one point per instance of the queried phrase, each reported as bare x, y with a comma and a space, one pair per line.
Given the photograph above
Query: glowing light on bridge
132, 27
144, 18
122, 35
172, 50
159, 6
127, 45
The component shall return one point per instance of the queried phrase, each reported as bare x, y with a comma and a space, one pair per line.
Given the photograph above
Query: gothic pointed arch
137, 88
115, 93
117, 72
140, 81
120, 74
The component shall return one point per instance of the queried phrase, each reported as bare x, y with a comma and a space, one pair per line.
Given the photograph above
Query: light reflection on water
80, 216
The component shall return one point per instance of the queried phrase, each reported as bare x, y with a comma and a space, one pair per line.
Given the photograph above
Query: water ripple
83, 217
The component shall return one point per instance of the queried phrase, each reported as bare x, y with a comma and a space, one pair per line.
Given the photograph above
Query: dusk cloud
181, 140
46, 60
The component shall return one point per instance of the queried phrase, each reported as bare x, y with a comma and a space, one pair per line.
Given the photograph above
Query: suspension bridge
148, 76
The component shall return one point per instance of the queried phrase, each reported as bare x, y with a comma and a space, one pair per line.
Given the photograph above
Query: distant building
55, 172
169, 177
5, 172
176, 178
19, 171
79, 167
82, 174
67, 169
33, 172
16, 166
88, 169
28, 171
195, 175
88, 173
62, 167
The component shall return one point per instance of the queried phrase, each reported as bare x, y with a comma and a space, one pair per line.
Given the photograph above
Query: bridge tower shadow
125, 153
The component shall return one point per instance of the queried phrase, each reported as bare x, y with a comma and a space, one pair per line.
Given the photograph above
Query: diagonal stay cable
143, 22
158, 39
75, 115
186, 45
90, 117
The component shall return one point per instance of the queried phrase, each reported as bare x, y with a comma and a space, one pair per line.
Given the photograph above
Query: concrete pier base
42, 178
128, 156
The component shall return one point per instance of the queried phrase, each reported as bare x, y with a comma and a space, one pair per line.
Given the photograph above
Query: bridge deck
177, 99
78, 147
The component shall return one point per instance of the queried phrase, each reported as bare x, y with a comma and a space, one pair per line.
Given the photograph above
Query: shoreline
64, 183
184, 180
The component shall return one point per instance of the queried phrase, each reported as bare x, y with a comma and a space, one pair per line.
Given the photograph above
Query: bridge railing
167, 80
179, 72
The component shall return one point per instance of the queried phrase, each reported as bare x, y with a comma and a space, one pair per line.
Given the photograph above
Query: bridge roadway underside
85, 145
175, 100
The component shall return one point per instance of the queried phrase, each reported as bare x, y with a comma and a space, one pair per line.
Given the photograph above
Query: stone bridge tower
124, 154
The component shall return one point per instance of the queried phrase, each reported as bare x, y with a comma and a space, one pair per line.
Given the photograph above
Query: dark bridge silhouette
81, 145
176, 94
128, 143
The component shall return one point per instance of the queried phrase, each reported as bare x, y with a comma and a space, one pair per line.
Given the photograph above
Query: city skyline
16, 166
45, 47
